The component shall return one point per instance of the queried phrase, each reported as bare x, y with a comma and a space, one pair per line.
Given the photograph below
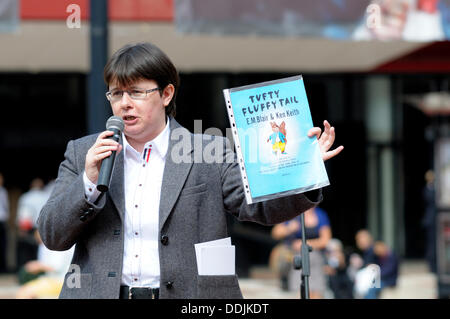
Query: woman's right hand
102, 148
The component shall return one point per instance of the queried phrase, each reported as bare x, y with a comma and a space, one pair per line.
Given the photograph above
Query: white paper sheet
215, 257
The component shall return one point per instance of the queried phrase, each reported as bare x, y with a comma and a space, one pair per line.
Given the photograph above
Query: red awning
434, 57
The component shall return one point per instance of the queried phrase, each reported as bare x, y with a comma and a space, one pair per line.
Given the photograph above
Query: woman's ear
167, 94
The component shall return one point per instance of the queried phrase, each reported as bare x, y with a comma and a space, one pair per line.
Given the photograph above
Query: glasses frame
109, 97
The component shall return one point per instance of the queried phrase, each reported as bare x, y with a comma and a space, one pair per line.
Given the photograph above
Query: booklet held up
270, 123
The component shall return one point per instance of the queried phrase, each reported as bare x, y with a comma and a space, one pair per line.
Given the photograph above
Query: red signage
125, 10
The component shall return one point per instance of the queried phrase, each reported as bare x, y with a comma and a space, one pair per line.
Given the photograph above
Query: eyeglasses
135, 94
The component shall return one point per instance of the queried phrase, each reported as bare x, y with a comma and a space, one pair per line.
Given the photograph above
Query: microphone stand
302, 262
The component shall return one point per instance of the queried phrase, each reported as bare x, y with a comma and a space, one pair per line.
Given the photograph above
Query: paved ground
8, 286
415, 282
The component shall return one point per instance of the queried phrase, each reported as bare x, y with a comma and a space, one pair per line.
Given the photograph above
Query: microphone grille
115, 122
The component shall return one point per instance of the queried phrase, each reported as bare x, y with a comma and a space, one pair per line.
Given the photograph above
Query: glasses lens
138, 94
116, 95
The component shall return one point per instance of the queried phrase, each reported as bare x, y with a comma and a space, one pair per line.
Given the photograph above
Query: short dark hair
134, 62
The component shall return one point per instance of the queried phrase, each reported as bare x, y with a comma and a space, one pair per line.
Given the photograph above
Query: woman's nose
126, 100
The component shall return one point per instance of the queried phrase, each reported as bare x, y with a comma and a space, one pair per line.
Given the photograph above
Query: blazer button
164, 240
86, 214
89, 211
169, 284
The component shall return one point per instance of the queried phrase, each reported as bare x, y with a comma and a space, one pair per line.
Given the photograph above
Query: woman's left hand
326, 140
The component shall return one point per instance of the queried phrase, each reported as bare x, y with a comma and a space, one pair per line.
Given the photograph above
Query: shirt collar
160, 143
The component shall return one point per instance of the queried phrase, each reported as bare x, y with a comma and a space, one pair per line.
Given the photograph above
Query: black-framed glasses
135, 94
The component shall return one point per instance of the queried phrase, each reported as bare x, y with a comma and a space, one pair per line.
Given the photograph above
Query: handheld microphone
116, 125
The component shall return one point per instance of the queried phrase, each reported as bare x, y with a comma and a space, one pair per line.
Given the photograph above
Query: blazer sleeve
269, 212
67, 212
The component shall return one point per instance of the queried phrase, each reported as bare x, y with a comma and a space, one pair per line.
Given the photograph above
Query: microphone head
115, 122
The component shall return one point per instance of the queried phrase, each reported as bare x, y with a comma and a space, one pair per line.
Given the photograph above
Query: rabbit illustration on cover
278, 137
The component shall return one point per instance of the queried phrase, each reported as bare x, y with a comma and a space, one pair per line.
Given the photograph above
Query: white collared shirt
143, 173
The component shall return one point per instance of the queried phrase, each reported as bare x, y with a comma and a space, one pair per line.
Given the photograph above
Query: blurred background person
318, 234
388, 266
336, 269
364, 242
364, 269
29, 206
375, 270
388, 262
4, 215
44, 277
355, 263
429, 221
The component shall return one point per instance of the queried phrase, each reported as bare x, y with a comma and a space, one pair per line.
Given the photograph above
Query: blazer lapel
175, 173
116, 189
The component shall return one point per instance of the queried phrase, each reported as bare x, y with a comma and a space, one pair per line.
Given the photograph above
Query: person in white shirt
30, 204
28, 208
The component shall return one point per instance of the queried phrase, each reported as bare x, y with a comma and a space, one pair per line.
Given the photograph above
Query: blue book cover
270, 123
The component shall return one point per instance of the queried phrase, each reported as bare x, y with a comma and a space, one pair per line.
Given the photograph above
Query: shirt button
136, 256
136, 233
135, 279
136, 206
90, 189
143, 165
140, 184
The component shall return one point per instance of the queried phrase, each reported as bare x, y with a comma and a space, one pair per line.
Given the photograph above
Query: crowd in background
40, 271
334, 271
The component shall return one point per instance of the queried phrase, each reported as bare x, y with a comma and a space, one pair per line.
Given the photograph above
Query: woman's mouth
129, 119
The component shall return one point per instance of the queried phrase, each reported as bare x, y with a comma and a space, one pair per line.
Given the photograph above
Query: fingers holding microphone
102, 148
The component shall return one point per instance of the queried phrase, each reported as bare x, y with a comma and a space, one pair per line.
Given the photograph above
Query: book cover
270, 123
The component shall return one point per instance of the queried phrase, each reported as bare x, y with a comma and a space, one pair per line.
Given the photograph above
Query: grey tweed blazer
195, 196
